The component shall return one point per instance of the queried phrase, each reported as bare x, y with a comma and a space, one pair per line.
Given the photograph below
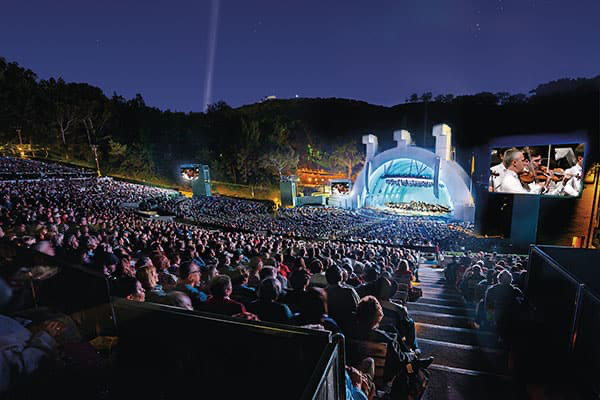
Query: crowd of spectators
328, 223
24, 169
252, 273
494, 284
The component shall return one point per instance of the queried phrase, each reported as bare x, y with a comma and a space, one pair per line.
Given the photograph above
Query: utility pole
20, 137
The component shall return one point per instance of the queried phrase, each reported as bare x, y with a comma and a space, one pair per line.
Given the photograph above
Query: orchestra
419, 207
527, 171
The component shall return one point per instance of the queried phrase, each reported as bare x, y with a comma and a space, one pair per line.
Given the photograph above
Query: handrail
554, 264
335, 348
253, 325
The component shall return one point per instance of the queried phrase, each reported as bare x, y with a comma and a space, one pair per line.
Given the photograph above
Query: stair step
444, 295
442, 290
443, 309
435, 318
439, 285
448, 383
464, 356
472, 337
443, 301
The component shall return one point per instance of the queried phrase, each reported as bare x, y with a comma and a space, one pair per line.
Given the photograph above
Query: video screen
190, 173
544, 170
338, 188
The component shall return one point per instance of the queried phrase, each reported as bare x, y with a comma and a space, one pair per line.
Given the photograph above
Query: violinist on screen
497, 171
509, 182
571, 184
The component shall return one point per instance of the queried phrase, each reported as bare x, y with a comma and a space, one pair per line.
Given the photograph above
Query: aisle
469, 364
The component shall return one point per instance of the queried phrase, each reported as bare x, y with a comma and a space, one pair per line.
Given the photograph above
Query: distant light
297, 96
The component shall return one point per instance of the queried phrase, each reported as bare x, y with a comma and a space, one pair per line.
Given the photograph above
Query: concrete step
438, 278
443, 295
441, 319
441, 290
476, 358
471, 337
448, 383
443, 301
454, 310
433, 282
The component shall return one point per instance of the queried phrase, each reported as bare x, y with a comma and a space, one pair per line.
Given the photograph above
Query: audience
266, 307
219, 301
305, 266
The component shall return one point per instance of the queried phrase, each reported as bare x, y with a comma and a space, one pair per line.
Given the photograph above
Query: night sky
376, 51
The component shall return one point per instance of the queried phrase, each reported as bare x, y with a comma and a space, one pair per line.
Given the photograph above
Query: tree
138, 163
94, 120
248, 146
316, 156
116, 153
347, 156
518, 98
280, 159
502, 96
413, 98
66, 116
426, 97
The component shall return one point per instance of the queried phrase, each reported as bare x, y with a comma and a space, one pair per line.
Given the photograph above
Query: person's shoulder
516, 290
379, 335
398, 307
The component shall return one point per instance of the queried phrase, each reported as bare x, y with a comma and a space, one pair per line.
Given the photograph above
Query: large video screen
189, 172
340, 187
545, 170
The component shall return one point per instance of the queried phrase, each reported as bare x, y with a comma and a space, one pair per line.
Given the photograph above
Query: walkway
469, 364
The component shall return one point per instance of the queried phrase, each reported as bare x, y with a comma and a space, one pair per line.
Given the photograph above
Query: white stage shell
454, 191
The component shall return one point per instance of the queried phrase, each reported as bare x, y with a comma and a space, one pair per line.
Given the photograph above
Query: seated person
266, 307
241, 291
24, 351
403, 273
295, 296
395, 316
177, 299
148, 277
470, 281
219, 301
398, 363
368, 288
501, 302
189, 279
317, 278
314, 310
341, 299
129, 288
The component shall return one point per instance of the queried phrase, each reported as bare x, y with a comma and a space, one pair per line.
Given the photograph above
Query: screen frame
544, 139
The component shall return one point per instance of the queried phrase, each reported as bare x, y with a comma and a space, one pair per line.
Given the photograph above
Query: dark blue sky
377, 51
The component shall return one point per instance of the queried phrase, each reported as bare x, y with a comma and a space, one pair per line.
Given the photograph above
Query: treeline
254, 144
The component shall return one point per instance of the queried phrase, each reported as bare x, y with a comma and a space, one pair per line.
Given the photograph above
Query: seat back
402, 293
361, 349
